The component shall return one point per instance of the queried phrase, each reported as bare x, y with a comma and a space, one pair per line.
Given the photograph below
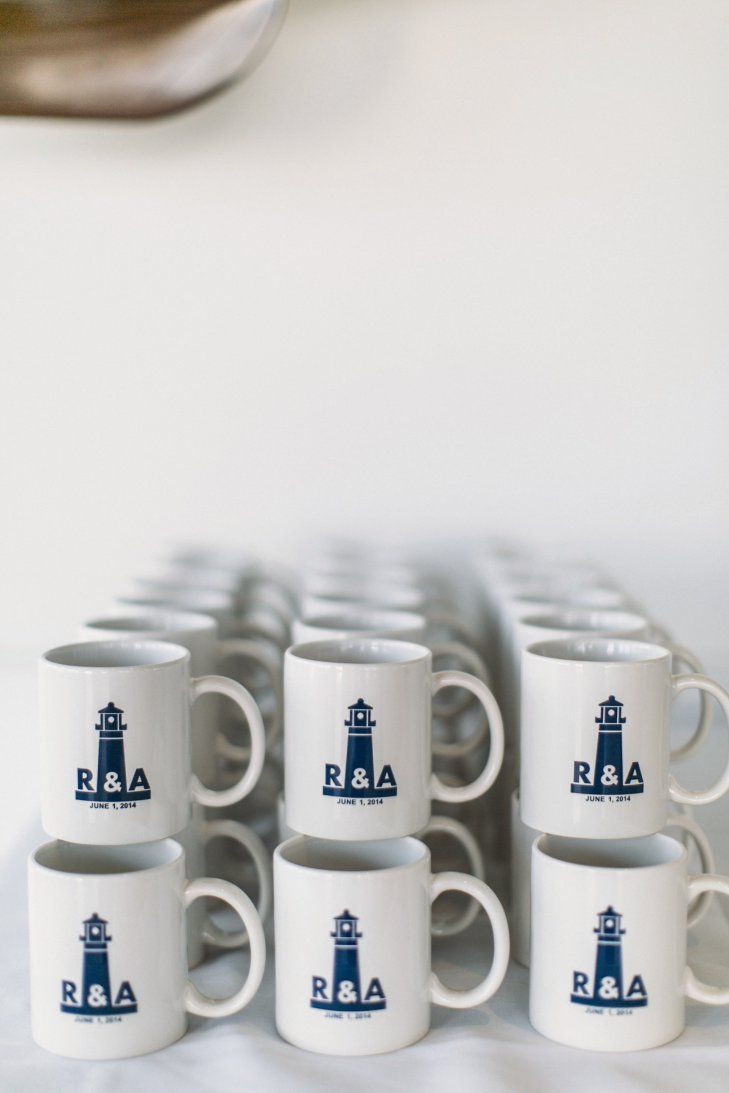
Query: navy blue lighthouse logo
111, 771
95, 999
359, 770
606, 988
346, 994
607, 778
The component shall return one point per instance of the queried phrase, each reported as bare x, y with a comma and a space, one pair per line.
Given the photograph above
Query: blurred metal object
127, 58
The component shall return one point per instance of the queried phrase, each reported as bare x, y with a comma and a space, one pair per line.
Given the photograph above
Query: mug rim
381, 597
171, 622
555, 619
173, 851
376, 618
194, 577
315, 652
168, 653
679, 853
415, 846
566, 598
209, 599
616, 651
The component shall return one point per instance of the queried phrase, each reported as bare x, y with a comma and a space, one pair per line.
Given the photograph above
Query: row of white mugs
365, 806
609, 923
117, 745
133, 782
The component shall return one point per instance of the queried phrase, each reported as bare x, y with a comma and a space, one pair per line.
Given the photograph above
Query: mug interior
351, 857
599, 650
116, 654
365, 651
83, 860
641, 853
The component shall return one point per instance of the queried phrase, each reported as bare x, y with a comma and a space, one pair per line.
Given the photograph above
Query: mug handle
680, 655
252, 623
194, 1000
487, 777
477, 667
271, 664
694, 987
706, 857
461, 635
461, 882
220, 798
444, 825
247, 838
701, 797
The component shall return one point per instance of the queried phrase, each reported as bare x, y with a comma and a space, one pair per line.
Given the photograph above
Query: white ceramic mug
362, 984
608, 955
116, 748
522, 840
365, 622
220, 606
202, 928
337, 596
108, 968
515, 599
441, 925
563, 624
357, 742
595, 738
265, 586
208, 654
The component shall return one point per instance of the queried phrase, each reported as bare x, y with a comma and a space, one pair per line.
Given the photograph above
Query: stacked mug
603, 896
139, 780
124, 789
356, 880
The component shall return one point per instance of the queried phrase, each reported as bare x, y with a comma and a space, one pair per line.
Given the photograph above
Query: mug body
608, 952
358, 738
199, 635
594, 737
360, 984
107, 948
115, 741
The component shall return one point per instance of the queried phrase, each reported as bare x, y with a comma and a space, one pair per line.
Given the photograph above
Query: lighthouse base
607, 791
609, 1003
386, 791
348, 1007
99, 1011
96, 795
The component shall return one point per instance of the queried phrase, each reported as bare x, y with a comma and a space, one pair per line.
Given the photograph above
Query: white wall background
438, 266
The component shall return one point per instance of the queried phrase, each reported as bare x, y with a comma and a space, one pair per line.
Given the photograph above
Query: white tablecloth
492, 1047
